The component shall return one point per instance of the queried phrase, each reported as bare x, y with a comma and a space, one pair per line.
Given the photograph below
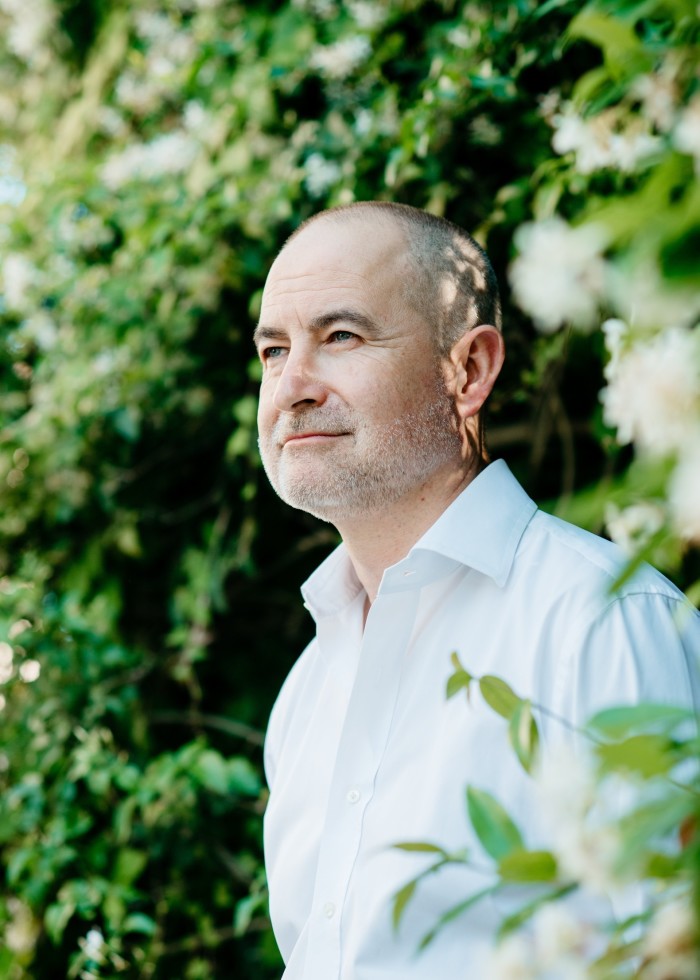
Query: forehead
330, 261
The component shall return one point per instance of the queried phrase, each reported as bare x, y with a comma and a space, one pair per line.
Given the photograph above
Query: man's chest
375, 754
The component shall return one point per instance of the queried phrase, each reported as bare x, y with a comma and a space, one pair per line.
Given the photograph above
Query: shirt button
329, 910
353, 796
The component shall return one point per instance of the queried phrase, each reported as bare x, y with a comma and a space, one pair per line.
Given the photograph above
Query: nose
298, 385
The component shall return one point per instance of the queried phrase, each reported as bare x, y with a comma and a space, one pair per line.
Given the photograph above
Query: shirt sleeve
641, 647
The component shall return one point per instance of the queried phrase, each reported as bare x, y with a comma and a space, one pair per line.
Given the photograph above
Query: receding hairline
455, 287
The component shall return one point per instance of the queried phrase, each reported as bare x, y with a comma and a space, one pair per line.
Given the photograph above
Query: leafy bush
154, 158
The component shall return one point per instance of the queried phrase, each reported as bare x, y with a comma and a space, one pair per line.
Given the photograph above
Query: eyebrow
320, 322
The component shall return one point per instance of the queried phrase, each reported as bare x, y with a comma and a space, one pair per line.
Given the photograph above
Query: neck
377, 539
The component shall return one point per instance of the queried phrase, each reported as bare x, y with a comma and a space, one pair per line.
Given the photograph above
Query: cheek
266, 417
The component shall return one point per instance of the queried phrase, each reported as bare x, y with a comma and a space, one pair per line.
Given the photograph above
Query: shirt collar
481, 529
483, 526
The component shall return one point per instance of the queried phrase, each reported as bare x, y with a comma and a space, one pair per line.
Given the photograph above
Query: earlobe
476, 360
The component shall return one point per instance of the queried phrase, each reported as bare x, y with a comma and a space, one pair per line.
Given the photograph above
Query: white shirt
364, 751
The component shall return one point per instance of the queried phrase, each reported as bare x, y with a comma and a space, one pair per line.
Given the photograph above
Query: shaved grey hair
454, 287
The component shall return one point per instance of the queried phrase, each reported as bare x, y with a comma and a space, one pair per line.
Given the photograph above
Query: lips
301, 437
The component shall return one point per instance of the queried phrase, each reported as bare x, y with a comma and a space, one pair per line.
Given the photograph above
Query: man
380, 342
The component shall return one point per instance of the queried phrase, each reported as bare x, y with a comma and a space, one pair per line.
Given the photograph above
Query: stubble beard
369, 469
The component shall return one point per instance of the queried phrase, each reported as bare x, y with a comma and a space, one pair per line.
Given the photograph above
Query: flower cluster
557, 946
597, 143
342, 58
559, 274
170, 154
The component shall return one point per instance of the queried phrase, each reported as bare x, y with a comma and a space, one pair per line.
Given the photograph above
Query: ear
475, 362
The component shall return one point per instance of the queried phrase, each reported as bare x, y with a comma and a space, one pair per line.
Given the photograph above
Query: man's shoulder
569, 556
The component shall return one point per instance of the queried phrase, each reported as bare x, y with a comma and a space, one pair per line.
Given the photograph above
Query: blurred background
153, 158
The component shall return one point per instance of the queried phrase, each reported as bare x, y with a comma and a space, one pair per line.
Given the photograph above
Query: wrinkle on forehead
333, 279
364, 266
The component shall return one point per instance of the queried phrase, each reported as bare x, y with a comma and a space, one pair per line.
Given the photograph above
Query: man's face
354, 414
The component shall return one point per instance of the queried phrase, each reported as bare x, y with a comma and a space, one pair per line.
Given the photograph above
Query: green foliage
652, 750
154, 157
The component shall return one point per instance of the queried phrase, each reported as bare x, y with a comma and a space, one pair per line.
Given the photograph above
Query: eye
271, 353
341, 336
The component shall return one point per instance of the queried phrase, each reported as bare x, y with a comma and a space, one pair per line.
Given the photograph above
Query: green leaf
499, 696
524, 866
658, 819
661, 865
57, 917
622, 49
457, 682
497, 833
521, 915
138, 922
453, 913
128, 865
619, 721
648, 755
524, 735
243, 777
421, 847
401, 900
211, 770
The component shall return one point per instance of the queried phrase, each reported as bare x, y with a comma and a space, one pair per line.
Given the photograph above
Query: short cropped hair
454, 288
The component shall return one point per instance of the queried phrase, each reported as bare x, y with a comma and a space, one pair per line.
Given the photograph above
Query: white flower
31, 23
614, 331
684, 492
20, 625
582, 834
673, 928
588, 139
558, 276
368, 15
645, 300
320, 8
165, 155
194, 116
597, 144
41, 330
6, 655
342, 58
364, 120
633, 527
140, 95
320, 174
565, 782
686, 135
653, 394
560, 939
29, 671
629, 148
658, 94
511, 960
21, 930
111, 121
18, 276
13, 190
462, 37
154, 27
93, 945
670, 946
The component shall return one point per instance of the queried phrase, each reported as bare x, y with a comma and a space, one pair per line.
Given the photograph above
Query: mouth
312, 438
